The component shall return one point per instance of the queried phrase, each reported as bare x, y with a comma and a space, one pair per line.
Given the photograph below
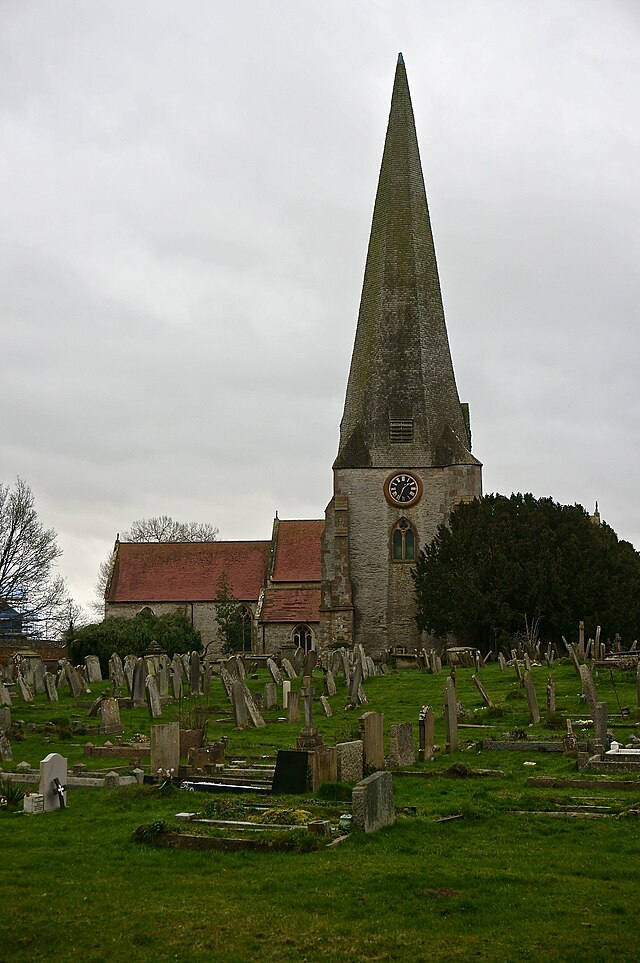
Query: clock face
403, 489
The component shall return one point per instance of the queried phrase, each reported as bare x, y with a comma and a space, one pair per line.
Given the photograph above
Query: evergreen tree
502, 564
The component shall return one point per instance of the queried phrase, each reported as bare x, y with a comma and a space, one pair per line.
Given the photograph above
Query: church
403, 463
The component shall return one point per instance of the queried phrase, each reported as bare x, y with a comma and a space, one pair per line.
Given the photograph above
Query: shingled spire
402, 403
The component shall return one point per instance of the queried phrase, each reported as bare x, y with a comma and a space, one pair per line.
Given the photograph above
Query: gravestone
551, 695
76, 683
39, 670
372, 735
600, 727
401, 748
23, 689
227, 680
297, 660
350, 761
451, 716
371, 666
324, 702
162, 681
5, 718
254, 713
532, 699
238, 701
165, 747
323, 766
286, 690
153, 697
176, 683
110, 713
288, 668
588, 688
53, 780
270, 696
139, 675
426, 726
310, 662
5, 697
94, 673
486, 698
372, 802
6, 755
194, 673
291, 772
346, 668
275, 671
129, 667
356, 684
50, 687
293, 707
330, 683
116, 672
516, 665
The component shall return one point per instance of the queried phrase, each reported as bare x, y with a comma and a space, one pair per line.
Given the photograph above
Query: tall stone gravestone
116, 672
50, 687
401, 747
426, 727
532, 700
372, 802
139, 675
451, 716
39, 671
110, 714
94, 673
372, 735
53, 781
194, 673
165, 747
275, 671
153, 697
350, 761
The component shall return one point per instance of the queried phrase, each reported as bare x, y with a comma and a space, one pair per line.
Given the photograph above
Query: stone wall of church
383, 591
202, 616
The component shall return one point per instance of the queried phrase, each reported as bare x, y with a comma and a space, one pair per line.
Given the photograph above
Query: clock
402, 488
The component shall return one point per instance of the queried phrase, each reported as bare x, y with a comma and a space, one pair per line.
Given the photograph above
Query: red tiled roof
291, 605
298, 551
187, 571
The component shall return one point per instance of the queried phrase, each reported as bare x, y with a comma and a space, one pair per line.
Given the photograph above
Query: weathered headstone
162, 681
24, 690
372, 802
50, 687
401, 748
293, 707
176, 683
310, 662
94, 673
110, 712
194, 673
53, 781
165, 747
5, 718
346, 668
275, 671
451, 716
326, 706
129, 667
288, 668
588, 688
516, 665
426, 727
350, 761
238, 701
254, 713
153, 697
39, 670
372, 735
139, 676
227, 680
486, 698
600, 727
270, 696
5, 697
6, 755
551, 695
116, 672
286, 692
532, 700
356, 681
330, 683
323, 766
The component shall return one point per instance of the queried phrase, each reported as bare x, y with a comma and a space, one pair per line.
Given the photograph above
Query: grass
490, 886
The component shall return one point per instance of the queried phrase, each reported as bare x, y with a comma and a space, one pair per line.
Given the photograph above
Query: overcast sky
186, 194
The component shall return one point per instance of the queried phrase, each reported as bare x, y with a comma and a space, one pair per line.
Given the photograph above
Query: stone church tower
404, 459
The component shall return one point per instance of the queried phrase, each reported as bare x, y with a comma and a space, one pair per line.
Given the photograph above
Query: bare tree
163, 528
28, 555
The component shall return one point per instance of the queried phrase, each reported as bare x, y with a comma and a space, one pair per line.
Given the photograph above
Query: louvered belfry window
400, 432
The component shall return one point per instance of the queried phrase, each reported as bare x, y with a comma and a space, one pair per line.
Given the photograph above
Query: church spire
402, 403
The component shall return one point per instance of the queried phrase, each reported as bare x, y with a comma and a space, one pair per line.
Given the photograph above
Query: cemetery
370, 809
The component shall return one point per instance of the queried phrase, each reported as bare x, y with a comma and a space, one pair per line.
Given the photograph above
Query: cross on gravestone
53, 781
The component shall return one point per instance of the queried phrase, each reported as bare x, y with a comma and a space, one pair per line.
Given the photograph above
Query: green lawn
492, 885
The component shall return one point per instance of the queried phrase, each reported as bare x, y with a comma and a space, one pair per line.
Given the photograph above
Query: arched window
403, 542
147, 610
245, 615
303, 636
